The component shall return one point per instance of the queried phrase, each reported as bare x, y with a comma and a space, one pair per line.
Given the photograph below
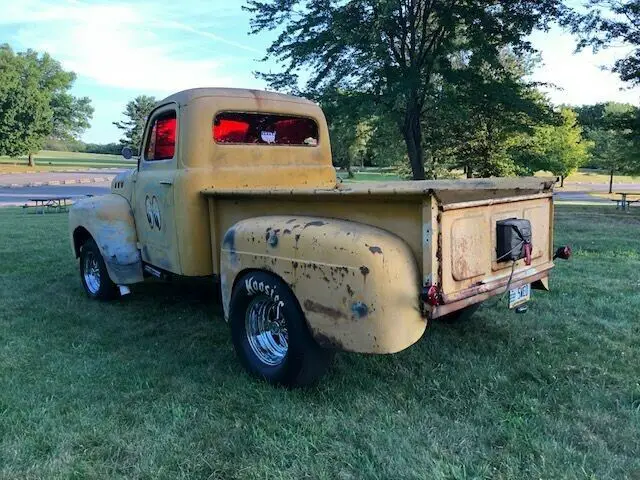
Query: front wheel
93, 273
270, 334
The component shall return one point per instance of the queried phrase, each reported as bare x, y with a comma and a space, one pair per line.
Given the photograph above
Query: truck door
153, 199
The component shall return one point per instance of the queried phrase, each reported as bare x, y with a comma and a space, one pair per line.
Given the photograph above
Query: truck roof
186, 96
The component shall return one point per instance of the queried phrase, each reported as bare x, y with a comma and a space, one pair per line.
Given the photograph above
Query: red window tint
264, 128
161, 144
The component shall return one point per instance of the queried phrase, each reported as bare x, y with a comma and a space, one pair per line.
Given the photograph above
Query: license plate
520, 295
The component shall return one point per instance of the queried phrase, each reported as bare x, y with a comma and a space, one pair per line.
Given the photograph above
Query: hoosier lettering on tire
270, 334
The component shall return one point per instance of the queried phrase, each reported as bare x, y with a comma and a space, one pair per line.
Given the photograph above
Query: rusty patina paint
109, 220
344, 292
356, 255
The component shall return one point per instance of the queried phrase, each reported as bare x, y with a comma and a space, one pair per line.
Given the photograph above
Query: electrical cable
513, 268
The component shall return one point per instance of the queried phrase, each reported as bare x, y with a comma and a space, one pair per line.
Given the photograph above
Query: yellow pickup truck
238, 185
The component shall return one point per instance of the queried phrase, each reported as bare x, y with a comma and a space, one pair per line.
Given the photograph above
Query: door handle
166, 182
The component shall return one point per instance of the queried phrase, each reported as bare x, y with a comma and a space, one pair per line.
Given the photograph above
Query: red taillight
527, 253
431, 295
563, 253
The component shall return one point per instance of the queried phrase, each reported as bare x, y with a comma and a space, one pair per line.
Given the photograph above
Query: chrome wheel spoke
266, 331
91, 270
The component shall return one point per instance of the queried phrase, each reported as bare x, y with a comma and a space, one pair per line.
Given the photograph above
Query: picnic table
48, 204
623, 202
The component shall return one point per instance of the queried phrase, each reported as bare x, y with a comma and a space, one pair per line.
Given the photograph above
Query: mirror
127, 153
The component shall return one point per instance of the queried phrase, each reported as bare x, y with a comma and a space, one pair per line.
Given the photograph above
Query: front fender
108, 219
357, 285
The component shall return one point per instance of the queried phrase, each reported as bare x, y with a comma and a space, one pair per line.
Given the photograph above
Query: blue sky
122, 49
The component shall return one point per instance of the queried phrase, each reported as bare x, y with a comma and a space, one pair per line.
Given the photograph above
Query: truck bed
448, 224
449, 190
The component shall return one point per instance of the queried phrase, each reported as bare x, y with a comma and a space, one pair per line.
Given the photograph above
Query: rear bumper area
489, 288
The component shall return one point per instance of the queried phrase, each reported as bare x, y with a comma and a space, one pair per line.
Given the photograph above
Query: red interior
230, 131
239, 127
165, 138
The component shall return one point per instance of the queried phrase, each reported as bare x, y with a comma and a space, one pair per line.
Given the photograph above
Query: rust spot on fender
330, 312
328, 341
315, 223
359, 310
292, 220
349, 290
374, 249
229, 240
364, 270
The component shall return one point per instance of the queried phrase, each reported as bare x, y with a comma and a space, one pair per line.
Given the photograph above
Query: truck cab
238, 185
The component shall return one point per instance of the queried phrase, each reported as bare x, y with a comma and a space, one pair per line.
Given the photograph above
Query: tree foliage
479, 109
614, 129
560, 149
35, 102
391, 51
136, 111
611, 23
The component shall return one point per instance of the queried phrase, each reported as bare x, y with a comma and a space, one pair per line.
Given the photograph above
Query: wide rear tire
270, 333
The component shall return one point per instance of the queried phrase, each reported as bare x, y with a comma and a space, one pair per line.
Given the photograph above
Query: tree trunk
561, 181
469, 171
412, 133
611, 182
32, 162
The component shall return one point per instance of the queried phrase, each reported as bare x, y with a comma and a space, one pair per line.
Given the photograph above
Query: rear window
264, 128
161, 143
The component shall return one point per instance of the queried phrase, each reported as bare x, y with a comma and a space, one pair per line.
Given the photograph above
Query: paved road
20, 196
604, 188
36, 179
98, 182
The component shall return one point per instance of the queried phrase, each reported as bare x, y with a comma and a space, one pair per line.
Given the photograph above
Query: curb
68, 181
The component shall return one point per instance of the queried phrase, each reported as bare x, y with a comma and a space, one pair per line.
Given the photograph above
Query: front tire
270, 333
93, 273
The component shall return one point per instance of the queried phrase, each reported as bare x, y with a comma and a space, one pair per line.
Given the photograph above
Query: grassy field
149, 387
572, 182
50, 160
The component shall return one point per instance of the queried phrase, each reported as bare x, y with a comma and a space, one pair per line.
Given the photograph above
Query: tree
390, 50
613, 128
559, 149
35, 103
611, 23
136, 111
470, 124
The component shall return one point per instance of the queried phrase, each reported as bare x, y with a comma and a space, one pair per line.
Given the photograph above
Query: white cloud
583, 78
118, 45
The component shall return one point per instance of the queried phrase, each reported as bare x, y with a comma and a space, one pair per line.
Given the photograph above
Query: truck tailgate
468, 267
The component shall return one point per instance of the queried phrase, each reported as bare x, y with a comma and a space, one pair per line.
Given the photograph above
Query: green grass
51, 159
149, 386
375, 176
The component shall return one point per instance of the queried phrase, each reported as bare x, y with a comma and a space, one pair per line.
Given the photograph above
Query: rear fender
357, 285
108, 219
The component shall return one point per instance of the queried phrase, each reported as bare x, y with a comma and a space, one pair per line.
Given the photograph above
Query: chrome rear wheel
266, 330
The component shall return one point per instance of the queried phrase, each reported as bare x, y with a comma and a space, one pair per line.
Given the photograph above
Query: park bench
47, 205
623, 202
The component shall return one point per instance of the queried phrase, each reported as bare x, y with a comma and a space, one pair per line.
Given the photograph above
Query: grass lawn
149, 386
50, 160
575, 181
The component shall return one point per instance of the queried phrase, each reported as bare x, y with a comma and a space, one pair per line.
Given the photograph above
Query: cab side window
161, 141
